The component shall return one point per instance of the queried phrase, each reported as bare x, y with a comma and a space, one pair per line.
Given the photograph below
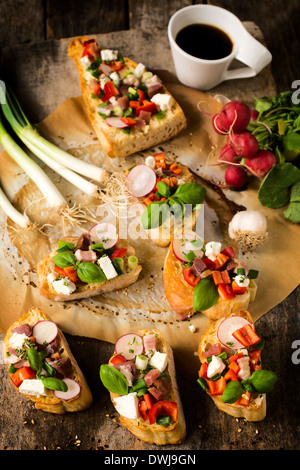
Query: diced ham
140, 123
23, 329
52, 347
163, 385
157, 394
145, 115
154, 88
198, 267
93, 84
149, 343
63, 367
83, 242
213, 350
128, 369
106, 69
123, 102
86, 256
12, 359
22, 363
151, 376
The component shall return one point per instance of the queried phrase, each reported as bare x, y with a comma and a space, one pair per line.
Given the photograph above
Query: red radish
254, 115
141, 180
244, 143
188, 241
217, 125
104, 233
261, 163
73, 390
116, 122
44, 332
129, 346
227, 327
235, 177
228, 155
234, 116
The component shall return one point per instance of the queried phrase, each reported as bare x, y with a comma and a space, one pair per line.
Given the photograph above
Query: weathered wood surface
38, 25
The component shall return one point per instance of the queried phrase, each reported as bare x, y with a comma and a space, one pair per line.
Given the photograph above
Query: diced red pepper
96, 89
141, 94
143, 410
189, 277
117, 359
119, 253
225, 291
238, 290
254, 356
203, 370
234, 366
147, 106
134, 104
116, 66
109, 90
87, 49
231, 375
246, 335
22, 374
216, 387
229, 251
221, 277
244, 400
71, 273
129, 121
209, 263
221, 260
148, 401
59, 270
235, 357
163, 408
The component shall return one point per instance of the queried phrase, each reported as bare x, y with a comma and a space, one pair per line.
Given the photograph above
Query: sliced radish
106, 69
186, 242
141, 180
104, 233
44, 332
116, 122
129, 346
227, 327
72, 392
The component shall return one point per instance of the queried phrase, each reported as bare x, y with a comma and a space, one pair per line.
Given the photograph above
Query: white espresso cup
205, 74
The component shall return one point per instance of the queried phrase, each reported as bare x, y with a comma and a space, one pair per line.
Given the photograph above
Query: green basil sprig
64, 259
90, 273
113, 380
155, 215
205, 294
190, 193
54, 384
34, 359
233, 392
261, 381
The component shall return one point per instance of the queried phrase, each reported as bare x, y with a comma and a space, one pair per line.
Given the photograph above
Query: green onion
20, 219
132, 262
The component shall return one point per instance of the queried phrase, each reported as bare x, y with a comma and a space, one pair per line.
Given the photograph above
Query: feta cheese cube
242, 281
115, 77
212, 249
128, 405
103, 81
159, 361
141, 361
85, 61
163, 101
215, 366
150, 161
33, 387
64, 286
109, 54
139, 70
51, 277
107, 267
16, 340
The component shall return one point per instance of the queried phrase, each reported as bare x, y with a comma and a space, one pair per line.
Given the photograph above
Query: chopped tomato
71, 273
203, 370
221, 260
109, 90
238, 290
229, 251
246, 335
129, 121
148, 401
244, 400
216, 387
143, 410
189, 277
163, 408
59, 270
225, 291
209, 263
254, 356
231, 375
119, 253
235, 357
234, 366
116, 66
117, 359
147, 106
22, 374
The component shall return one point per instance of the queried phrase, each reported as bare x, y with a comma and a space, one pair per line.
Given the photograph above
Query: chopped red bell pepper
221, 277
189, 277
231, 375
117, 359
147, 106
71, 273
163, 408
238, 290
234, 366
203, 370
244, 400
134, 104
209, 263
109, 90
96, 89
116, 66
148, 401
143, 410
119, 253
22, 374
59, 270
129, 121
216, 387
87, 49
141, 94
235, 357
221, 260
246, 335
229, 251
254, 356
225, 291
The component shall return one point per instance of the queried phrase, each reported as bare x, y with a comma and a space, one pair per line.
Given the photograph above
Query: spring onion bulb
78, 181
25, 131
248, 229
32, 169
20, 219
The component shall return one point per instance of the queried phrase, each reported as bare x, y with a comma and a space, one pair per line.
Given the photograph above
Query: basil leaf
49, 369
113, 380
90, 273
263, 381
252, 274
233, 391
177, 207
63, 244
34, 359
205, 295
155, 215
190, 193
64, 259
273, 191
54, 384
163, 189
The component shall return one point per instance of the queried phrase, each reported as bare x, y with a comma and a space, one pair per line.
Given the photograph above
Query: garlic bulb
248, 229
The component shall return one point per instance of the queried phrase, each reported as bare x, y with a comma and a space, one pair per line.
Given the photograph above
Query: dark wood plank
147, 15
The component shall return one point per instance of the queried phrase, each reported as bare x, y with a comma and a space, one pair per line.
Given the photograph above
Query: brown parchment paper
142, 305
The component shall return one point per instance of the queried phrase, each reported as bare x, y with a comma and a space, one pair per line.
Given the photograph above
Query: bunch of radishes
241, 152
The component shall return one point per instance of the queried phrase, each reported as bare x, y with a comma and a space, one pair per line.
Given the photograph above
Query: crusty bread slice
50, 403
256, 411
114, 141
180, 294
46, 266
155, 433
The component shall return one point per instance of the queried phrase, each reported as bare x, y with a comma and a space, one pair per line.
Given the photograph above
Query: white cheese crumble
64, 286
139, 70
128, 406
33, 387
16, 340
150, 161
159, 361
163, 101
212, 249
107, 267
216, 366
242, 281
109, 54
85, 61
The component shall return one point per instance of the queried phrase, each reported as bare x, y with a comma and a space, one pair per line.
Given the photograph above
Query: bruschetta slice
231, 371
169, 187
42, 367
95, 263
205, 277
141, 379
129, 107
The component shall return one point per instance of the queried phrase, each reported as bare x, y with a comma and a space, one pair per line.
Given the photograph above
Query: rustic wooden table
24, 428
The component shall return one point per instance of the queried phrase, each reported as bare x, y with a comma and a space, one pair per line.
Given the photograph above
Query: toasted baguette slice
113, 140
154, 433
50, 403
179, 293
256, 410
83, 290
